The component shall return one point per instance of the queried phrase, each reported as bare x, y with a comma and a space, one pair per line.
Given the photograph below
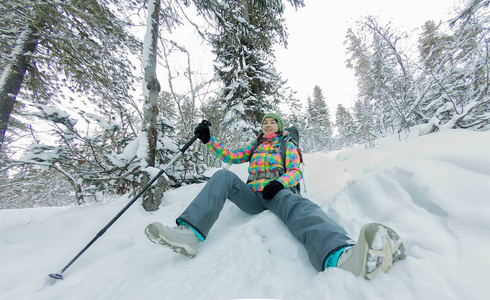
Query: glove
271, 189
203, 131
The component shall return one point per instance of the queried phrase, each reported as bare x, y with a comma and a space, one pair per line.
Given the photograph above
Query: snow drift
433, 190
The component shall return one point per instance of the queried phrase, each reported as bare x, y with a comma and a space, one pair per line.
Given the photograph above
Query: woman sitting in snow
327, 244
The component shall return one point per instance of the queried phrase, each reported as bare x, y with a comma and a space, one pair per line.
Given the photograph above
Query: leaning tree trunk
13, 76
151, 88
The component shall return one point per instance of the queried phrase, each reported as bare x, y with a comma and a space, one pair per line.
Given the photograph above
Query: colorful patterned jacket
265, 159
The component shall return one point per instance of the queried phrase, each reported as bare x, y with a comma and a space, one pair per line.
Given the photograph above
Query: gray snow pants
306, 220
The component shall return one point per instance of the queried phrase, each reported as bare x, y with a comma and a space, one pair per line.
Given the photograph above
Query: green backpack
294, 138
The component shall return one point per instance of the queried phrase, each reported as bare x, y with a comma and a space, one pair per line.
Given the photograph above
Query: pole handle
189, 143
195, 137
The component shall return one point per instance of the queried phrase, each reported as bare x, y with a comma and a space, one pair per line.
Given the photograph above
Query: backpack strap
257, 142
282, 149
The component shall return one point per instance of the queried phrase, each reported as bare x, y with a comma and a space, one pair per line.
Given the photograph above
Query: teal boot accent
333, 258
199, 236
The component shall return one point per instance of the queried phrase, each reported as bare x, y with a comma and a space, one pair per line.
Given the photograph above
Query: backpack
294, 138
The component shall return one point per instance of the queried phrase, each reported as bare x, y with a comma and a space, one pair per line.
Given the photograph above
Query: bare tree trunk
13, 76
151, 88
77, 188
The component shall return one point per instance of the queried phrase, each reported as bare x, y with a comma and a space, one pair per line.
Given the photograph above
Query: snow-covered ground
434, 190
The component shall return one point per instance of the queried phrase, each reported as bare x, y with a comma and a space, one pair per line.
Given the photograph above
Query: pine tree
345, 127
293, 110
319, 131
385, 75
247, 30
47, 46
456, 67
365, 119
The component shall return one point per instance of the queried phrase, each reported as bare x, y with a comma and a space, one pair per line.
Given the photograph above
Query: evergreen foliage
458, 70
245, 33
76, 53
346, 128
385, 75
319, 131
80, 46
445, 87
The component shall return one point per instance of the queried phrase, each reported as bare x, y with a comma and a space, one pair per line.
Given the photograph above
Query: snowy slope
433, 190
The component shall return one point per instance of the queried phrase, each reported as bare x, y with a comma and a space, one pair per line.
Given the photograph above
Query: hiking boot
376, 250
181, 239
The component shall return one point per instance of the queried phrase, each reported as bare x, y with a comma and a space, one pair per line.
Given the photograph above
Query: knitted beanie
276, 118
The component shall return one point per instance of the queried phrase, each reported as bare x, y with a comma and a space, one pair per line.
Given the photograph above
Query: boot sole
384, 249
153, 234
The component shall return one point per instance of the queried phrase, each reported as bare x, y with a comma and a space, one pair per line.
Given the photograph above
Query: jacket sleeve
293, 174
230, 156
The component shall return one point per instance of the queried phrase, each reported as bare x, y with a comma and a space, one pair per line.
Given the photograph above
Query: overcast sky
316, 53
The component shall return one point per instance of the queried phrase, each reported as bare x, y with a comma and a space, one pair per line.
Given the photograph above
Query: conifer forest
85, 115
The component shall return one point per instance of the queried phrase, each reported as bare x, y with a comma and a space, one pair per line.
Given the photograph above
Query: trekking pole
59, 275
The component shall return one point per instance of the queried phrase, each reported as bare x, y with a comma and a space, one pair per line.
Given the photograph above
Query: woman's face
269, 125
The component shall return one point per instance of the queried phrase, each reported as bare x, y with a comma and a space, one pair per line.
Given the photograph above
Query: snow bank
433, 190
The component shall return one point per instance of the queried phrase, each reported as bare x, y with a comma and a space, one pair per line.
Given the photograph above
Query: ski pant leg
204, 210
308, 222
